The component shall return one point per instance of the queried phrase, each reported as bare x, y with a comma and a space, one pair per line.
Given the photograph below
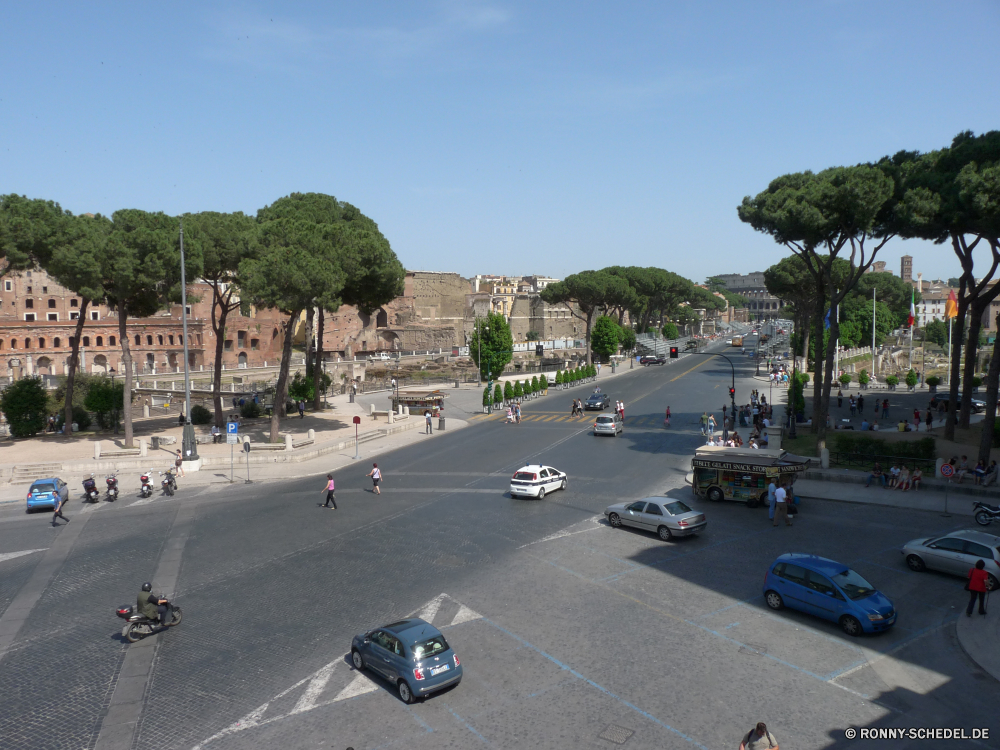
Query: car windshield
594, 398
44, 488
524, 475
430, 647
853, 584
605, 420
676, 508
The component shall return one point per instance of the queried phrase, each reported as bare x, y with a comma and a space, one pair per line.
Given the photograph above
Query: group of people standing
514, 413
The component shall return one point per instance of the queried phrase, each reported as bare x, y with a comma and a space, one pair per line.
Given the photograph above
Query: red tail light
457, 662
418, 673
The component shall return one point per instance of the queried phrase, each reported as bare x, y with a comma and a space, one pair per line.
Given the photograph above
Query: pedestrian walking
916, 420
179, 464
621, 409
772, 488
428, 428
976, 587
930, 420
853, 404
885, 408
302, 409
704, 423
57, 513
759, 738
781, 506
330, 489
517, 412
840, 398
666, 419
861, 403
711, 424
510, 413
376, 476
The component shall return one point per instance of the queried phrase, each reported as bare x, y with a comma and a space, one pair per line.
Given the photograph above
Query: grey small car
668, 518
955, 553
609, 424
411, 654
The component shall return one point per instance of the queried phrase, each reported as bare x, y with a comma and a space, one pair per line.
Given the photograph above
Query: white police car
534, 480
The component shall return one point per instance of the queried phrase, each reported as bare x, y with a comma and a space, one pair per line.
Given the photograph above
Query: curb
978, 637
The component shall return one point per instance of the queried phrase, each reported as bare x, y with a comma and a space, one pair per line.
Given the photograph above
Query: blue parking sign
231, 428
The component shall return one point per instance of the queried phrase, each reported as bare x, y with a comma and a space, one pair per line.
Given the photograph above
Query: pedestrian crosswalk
640, 420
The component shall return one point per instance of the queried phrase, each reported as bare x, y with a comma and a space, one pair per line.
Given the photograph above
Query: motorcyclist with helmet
152, 606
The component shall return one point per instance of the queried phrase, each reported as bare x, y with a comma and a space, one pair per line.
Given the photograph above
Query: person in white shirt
781, 506
767, 422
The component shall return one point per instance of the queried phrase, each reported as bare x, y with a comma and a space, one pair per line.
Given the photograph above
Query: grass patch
803, 444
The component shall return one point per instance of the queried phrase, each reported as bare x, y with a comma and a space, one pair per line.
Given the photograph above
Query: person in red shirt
977, 587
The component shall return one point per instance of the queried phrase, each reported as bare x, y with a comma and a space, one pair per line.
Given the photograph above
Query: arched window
52, 303
1, 344
138, 339
41, 343
111, 340
13, 343
159, 340
86, 340
171, 340
100, 341
55, 342
149, 340
27, 343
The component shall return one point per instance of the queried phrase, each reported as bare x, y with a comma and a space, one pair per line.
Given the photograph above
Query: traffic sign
246, 445
947, 470
357, 420
231, 437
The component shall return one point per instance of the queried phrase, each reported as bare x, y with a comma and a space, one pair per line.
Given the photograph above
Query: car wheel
357, 659
850, 625
715, 495
991, 582
915, 563
753, 502
615, 520
774, 600
541, 494
665, 535
405, 694
565, 483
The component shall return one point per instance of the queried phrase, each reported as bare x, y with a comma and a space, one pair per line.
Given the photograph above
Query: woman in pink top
329, 489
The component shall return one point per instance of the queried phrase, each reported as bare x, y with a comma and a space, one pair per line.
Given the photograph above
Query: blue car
830, 590
411, 654
45, 493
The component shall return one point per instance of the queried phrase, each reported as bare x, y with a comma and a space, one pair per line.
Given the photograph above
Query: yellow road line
677, 377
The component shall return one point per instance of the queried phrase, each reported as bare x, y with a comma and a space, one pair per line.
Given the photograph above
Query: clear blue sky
496, 137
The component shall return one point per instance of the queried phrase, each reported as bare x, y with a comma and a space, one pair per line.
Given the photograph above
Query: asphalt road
571, 634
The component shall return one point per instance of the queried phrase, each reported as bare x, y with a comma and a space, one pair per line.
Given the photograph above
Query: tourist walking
977, 587
57, 513
666, 419
781, 506
428, 428
179, 464
329, 489
376, 476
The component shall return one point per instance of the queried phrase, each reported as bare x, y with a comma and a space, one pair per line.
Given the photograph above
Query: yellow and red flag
951, 306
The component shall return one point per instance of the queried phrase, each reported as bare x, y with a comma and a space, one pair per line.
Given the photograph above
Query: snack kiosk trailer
721, 473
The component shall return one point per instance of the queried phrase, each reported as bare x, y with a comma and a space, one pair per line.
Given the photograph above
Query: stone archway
241, 360
100, 364
44, 366
388, 340
381, 319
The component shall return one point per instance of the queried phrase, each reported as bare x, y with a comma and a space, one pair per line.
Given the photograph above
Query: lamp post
114, 411
188, 444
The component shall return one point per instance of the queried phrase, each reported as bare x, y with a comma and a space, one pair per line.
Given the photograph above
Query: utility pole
188, 444
873, 333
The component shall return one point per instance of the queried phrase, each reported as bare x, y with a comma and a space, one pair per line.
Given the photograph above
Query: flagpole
913, 320
873, 334
949, 352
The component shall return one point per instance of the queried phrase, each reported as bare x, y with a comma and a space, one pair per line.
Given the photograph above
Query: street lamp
114, 411
188, 442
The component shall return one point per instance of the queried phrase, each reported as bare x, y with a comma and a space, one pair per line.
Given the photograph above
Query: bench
121, 453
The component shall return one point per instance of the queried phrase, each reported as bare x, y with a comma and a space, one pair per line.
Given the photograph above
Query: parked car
380, 357
652, 360
535, 480
827, 589
597, 401
411, 654
609, 424
955, 553
942, 398
45, 493
667, 517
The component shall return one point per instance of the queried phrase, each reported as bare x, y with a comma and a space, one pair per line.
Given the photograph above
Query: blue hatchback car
411, 654
45, 493
830, 590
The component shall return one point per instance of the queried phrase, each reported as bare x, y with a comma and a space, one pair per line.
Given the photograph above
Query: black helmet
147, 586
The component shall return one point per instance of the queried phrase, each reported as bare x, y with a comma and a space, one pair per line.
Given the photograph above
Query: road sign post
232, 439
357, 421
246, 449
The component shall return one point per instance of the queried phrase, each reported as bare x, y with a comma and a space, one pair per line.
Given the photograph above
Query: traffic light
732, 393
539, 350
673, 352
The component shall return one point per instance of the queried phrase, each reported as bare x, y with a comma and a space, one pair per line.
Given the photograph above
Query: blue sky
490, 137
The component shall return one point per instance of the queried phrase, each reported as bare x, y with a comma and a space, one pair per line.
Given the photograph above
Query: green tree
856, 322
534, 384
225, 240
670, 331
518, 390
24, 404
604, 337
590, 292
531, 336
497, 394
937, 332
105, 398
140, 274
295, 265
627, 339
486, 396
302, 387
912, 378
508, 391
559, 377
845, 378
863, 377
491, 340
892, 381
543, 382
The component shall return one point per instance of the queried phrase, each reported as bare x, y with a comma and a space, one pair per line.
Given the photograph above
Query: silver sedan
668, 518
955, 553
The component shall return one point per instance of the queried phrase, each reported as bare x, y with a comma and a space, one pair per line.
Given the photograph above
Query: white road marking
308, 700
464, 615
358, 686
431, 608
92, 507
12, 555
566, 532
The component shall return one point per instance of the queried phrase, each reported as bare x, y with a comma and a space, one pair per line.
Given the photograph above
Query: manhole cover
616, 734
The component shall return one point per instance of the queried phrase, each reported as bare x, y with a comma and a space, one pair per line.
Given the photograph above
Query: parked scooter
90, 493
146, 490
985, 514
168, 483
112, 481
139, 626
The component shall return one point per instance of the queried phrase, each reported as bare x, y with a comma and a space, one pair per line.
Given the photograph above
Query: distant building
906, 268
761, 304
877, 267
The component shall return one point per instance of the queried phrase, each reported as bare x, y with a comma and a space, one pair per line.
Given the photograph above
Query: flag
913, 311
951, 306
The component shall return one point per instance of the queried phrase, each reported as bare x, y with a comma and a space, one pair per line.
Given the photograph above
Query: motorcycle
112, 481
985, 514
168, 483
146, 490
138, 626
90, 493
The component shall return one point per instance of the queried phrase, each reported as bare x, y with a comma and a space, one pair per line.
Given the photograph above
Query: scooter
112, 481
138, 626
90, 493
146, 490
985, 514
168, 483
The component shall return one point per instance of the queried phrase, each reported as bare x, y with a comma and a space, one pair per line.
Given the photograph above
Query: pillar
288, 442
142, 443
311, 435
97, 450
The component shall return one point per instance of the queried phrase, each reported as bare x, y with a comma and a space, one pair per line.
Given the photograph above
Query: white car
534, 480
382, 357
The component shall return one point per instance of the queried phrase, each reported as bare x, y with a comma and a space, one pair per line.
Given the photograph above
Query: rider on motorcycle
150, 605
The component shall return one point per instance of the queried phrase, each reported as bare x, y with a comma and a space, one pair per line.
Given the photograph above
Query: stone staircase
30, 472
